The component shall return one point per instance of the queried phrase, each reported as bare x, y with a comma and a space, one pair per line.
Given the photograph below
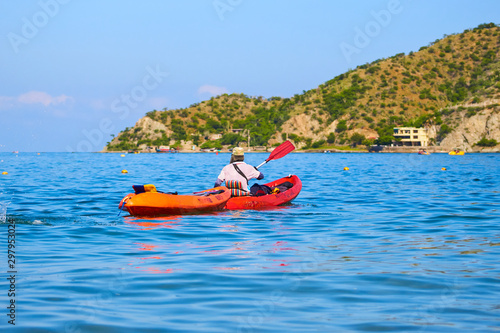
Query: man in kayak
238, 170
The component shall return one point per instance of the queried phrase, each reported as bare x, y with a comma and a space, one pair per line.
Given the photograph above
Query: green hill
450, 78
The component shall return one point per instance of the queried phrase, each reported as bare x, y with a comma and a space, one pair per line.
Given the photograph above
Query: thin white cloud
57, 106
212, 90
40, 97
34, 97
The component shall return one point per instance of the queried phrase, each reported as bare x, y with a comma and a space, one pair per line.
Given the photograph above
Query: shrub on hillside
213, 125
368, 119
308, 142
485, 26
384, 140
294, 137
486, 143
196, 139
341, 126
211, 144
231, 139
368, 142
331, 138
318, 144
443, 131
357, 139
151, 114
474, 57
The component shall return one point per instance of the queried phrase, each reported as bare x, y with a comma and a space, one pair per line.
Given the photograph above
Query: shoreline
388, 150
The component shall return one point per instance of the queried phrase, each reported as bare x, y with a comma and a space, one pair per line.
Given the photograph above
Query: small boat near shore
167, 151
456, 152
163, 149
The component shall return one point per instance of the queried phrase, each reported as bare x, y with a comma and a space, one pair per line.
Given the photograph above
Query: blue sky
74, 72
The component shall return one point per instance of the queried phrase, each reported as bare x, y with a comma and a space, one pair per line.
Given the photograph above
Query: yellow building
411, 136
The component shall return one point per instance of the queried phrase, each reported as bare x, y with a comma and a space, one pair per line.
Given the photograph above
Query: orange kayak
158, 204
268, 200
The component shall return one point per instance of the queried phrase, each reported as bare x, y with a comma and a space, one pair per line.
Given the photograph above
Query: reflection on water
148, 223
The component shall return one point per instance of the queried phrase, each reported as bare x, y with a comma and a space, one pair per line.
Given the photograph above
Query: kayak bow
158, 204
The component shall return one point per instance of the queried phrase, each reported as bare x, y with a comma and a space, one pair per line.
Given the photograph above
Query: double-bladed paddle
281, 151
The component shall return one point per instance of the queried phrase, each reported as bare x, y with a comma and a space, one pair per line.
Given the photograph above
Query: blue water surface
393, 244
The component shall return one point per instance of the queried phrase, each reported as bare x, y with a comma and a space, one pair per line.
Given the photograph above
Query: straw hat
238, 151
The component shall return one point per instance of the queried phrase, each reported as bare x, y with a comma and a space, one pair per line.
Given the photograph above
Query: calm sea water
393, 244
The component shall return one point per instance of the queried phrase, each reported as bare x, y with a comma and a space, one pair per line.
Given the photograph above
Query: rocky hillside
451, 86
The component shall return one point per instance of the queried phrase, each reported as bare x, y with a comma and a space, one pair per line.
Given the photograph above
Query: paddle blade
281, 151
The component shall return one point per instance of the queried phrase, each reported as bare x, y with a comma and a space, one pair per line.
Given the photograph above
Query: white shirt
229, 173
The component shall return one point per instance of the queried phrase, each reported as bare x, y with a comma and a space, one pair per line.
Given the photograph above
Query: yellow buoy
124, 171
38, 153
5, 173
122, 155
444, 169
346, 169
